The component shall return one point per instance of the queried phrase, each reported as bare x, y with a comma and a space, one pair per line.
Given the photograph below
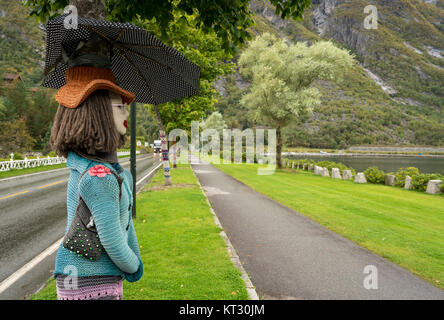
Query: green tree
17, 102
14, 137
206, 32
40, 115
229, 19
203, 49
215, 121
282, 76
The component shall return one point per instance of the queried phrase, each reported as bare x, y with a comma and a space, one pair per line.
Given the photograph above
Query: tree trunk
279, 147
93, 9
165, 158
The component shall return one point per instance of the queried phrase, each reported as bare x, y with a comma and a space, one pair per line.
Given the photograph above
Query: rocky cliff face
408, 40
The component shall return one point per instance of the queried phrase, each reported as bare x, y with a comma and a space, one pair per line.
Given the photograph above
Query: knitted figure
88, 128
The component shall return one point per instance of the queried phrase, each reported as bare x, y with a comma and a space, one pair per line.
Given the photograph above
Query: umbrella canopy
142, 64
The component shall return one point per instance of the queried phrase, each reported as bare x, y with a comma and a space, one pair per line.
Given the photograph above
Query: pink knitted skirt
89, 288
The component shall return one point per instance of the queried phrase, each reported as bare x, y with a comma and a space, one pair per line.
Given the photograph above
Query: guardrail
30, 163
44, 161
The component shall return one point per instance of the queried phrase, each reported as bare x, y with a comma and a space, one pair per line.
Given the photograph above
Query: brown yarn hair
89, 127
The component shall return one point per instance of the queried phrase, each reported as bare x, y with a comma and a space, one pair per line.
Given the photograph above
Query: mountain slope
393, 95
22, 43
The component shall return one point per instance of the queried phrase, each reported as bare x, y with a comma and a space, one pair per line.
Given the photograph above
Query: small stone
325, 172
347, 175
360, 178
433, 186
335, 173
408, 182
390, 180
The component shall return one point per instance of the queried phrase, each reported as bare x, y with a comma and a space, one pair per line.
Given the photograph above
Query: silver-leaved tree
282, 78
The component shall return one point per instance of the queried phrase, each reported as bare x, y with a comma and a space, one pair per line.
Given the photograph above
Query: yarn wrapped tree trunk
163, 139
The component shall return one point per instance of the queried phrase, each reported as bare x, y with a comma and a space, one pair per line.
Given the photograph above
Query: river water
388, 164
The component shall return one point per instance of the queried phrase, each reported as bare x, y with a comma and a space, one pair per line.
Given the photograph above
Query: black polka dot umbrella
142, 64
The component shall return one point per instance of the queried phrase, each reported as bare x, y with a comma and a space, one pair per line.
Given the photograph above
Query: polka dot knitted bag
82, 237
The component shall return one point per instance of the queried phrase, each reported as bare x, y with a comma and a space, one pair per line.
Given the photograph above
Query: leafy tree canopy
230, 19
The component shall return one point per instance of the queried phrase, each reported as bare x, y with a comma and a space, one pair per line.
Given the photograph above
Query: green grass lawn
406, 227
183, 253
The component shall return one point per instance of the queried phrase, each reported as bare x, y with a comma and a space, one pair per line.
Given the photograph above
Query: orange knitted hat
81, 81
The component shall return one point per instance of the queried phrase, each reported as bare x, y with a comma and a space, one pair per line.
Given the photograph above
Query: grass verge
20, 172
183, 253
406, 227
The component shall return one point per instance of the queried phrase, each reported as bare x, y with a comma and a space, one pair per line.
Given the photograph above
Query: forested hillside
395, 93
27, 109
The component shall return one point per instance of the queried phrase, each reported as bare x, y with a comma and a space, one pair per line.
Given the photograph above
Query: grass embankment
406, 227
183, 254
20, 172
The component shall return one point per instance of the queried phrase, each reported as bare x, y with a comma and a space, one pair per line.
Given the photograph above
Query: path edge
231, 251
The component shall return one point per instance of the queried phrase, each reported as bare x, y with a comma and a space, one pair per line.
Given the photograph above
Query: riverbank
363, 154
372, 151
403, 226
392, 163
183, 253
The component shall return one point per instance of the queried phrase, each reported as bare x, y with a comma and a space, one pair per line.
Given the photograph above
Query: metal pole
133, 154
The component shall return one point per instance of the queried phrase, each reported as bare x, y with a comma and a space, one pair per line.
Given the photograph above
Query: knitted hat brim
72, 94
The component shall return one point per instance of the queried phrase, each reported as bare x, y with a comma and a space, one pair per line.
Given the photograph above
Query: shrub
420, 181
374, 175
18, 156
402, 173
52, 154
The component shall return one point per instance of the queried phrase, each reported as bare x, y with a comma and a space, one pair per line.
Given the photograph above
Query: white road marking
5, 284
31, 264
140, 180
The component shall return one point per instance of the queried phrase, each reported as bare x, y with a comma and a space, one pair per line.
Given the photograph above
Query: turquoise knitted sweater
101, 195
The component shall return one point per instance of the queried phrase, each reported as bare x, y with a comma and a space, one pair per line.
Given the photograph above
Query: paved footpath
289, 256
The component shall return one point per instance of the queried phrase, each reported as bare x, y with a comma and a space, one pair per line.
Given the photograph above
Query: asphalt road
33, 217
289, 256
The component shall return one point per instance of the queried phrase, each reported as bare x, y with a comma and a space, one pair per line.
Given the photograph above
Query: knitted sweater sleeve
132, 237
101, 195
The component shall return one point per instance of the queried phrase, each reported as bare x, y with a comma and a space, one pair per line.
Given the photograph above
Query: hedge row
326, 164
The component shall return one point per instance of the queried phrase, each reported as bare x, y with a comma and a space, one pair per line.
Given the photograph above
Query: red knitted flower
99, 170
